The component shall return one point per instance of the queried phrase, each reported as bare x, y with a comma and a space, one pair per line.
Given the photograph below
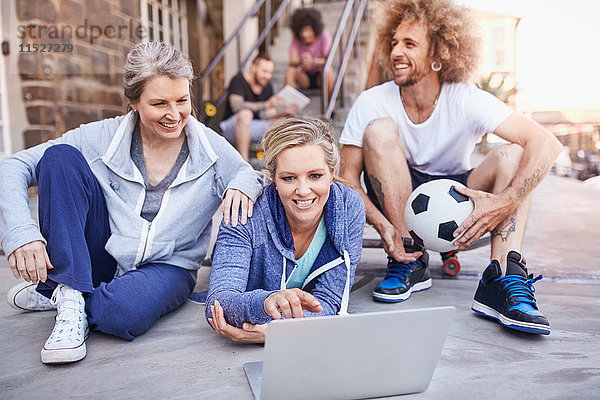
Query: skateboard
450, 263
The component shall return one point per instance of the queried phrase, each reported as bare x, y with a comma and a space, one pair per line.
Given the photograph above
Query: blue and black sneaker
509, 299
401, 279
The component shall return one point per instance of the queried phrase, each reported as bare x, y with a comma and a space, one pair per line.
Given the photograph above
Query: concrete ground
181, 357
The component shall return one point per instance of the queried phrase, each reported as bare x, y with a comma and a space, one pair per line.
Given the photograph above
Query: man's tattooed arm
532, 181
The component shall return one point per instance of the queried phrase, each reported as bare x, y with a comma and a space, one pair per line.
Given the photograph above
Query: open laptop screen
353, 356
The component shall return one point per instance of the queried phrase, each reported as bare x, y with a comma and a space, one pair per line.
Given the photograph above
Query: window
498, 43
165, 21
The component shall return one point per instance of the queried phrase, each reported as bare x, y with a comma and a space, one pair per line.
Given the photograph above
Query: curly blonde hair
451, 33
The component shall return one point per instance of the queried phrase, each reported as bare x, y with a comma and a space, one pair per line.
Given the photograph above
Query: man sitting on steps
251, 106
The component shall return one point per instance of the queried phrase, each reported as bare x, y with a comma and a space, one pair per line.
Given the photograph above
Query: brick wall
62, 90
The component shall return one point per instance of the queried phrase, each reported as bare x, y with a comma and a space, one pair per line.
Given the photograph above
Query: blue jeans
417, 178
258, 127
74, 221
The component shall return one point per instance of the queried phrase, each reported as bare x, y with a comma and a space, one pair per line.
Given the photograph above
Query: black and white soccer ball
433, 212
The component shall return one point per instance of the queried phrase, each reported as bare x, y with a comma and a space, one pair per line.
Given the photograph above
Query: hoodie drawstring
322, 270
346, 295
283, 283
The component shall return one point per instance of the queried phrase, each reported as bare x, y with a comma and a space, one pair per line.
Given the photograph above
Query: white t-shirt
442, 145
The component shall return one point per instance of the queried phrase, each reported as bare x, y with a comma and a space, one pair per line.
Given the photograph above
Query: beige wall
233, 13
15, 112
499, 37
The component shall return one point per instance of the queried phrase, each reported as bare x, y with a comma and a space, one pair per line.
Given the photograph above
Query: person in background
251, 106
423, 125
309, 49
125, 209
297, 255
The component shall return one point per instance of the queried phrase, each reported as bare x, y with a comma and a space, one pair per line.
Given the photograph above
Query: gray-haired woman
125, 209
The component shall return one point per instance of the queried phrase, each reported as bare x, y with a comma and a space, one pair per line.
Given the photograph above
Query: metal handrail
257, 43
327, 102
266, 31
334, 45
251, 13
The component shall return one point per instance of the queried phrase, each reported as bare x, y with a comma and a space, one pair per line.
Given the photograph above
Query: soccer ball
433, 212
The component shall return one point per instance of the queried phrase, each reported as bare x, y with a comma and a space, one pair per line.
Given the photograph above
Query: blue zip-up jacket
180, 233
249, 260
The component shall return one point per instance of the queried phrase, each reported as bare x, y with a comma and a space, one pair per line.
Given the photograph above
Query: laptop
353, 356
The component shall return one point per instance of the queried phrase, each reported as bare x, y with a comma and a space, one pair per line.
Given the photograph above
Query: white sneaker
24, 297
67, 341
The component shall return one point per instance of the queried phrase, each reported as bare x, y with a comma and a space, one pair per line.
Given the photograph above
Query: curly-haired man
423, 125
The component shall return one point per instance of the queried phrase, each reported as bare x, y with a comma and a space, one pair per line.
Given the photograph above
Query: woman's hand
250, 333
31, 262
231, 206
291, 303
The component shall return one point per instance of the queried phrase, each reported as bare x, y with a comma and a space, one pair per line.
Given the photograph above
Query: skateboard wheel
451, 266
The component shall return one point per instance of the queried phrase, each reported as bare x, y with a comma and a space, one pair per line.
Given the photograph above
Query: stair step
331, 12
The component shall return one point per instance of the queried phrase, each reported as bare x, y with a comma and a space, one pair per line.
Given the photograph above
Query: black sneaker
401, 279
509, 299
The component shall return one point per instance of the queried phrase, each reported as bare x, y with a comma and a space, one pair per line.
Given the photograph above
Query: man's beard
261, 83
413, 78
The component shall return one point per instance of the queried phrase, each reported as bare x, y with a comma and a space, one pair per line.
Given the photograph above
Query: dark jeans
417, 178
74, 221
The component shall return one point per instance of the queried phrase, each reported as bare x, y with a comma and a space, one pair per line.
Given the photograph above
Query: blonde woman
297, 255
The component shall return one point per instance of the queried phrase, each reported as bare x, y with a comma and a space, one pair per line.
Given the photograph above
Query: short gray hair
150, 60
300, 131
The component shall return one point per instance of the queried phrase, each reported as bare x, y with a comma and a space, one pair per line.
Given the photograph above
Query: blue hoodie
249, 260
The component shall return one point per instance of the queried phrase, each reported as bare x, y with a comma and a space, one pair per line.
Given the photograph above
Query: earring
436, 66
